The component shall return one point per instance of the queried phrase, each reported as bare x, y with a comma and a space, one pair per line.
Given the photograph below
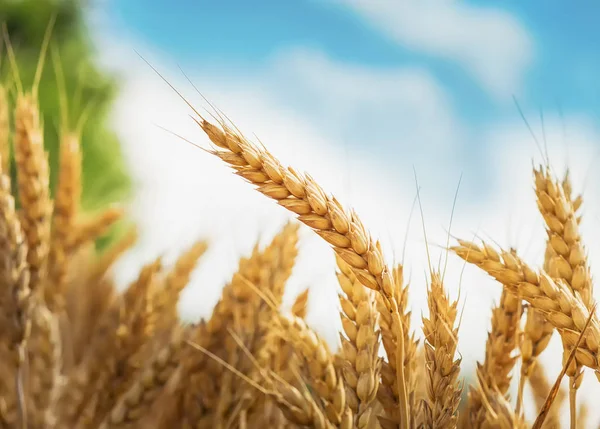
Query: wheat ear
136, 402
495, 371
561, 307
66, 207
16, 299
33, 179
318, 364
176, 280
345, 232
441, 338
569, 262
359, 360
498, 411
253, 322
44, 367
91, 229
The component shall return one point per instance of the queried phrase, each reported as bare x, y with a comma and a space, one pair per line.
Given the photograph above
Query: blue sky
562, 73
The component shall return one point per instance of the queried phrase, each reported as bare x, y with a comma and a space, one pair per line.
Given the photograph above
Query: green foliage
88, 89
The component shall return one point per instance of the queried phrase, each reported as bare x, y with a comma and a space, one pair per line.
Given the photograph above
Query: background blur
370, 97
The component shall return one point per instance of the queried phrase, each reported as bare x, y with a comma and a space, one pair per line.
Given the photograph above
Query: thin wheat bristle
441, 340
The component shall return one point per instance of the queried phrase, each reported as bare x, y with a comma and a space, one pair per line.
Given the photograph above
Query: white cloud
488, 42
301, 107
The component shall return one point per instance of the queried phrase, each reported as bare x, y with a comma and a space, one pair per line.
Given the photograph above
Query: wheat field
79, 353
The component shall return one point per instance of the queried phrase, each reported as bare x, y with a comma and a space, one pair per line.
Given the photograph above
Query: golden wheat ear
247, 306
500, 359
565, 310
567, 257
358, 358
16, 307
168, 293
66, 210
136, 402
441, 340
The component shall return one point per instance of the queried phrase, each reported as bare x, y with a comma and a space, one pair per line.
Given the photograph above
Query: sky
375, 98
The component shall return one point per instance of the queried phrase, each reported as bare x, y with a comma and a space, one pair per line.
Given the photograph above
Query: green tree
105, 179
